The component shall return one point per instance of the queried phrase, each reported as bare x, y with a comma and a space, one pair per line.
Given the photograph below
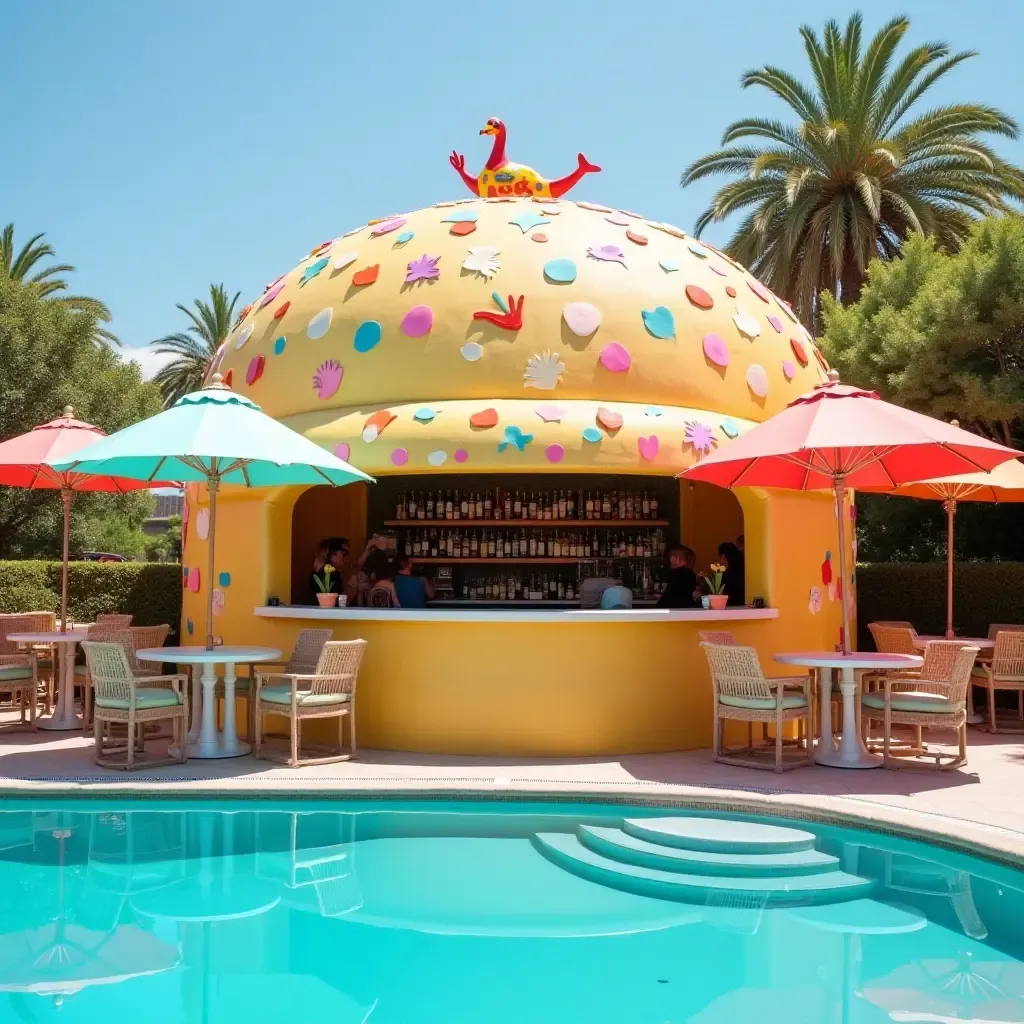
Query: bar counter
516, 682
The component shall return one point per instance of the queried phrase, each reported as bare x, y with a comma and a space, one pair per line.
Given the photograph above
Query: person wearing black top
335, 551
682, 580
735, 573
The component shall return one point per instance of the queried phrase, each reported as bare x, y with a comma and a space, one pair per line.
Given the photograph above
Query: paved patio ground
980, 806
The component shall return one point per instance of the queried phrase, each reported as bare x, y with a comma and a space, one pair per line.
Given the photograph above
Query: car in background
102, 556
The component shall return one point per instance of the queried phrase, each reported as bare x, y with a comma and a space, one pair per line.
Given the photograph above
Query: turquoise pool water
392, 913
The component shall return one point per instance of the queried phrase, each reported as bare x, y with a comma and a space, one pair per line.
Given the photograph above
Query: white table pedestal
63, 718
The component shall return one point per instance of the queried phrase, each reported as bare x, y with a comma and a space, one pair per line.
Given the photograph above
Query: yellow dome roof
520, 306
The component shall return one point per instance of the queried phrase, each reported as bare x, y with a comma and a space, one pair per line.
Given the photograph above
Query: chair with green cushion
925, 702
329, 691
742, 693
122, 698
19, 669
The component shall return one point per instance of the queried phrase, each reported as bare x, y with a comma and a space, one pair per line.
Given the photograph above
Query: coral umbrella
24, 462
1003, 485
837, 437
213, 436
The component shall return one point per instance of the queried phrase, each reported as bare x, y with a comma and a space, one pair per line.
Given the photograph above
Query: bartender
681, 590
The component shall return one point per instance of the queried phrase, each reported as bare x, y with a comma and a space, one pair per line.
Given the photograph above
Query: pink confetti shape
757, 380
327, 378
700, 435
775, 322
386, 226
618, 219
194, 580
607, 253
399, 456
554, 453
615, 357
417, 321
788, 369
423, 269
759, 290
461, 455
255, 370
717, 269
648, 447
550, 413
343, 451
716, 349
269, 296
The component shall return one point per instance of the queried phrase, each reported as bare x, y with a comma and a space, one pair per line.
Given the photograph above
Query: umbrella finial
833, 376
69, 412
954, 423
217, 381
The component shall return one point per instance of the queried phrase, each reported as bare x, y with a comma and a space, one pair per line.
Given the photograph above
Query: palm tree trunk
851, 282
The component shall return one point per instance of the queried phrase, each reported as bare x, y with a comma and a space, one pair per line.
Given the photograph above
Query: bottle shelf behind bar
532, 524
495, 559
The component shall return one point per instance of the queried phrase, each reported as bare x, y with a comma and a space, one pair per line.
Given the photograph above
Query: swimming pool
383, 912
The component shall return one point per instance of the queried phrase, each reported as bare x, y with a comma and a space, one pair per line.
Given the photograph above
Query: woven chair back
717, 636
109, 670
117, 621
893, 639
900, 623
142, 638
736, 671
338, 666
1000, 627
25, 622
306, 655
960, 674
1008, 657
380, 597
939, 657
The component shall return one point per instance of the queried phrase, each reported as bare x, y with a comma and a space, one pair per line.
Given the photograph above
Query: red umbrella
23, 464
838, 436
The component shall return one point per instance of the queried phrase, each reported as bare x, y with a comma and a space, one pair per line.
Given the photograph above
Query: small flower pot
718, 601
327, 600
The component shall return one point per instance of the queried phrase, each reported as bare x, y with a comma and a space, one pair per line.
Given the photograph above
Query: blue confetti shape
730, 429
668, 265
313, 269
591, 434
560, 271
660, 322
405, 236
652, 410
424, 415
499, 302
190, 628
514, 436
367, 335
224, 579
279, 345
460, 217
528, 221
698, 250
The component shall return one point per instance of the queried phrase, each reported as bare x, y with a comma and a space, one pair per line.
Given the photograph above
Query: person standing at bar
682, 580
331, 552
413, 591
734, 580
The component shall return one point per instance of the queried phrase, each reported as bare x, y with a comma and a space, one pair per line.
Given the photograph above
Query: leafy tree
165, 547
195, 347
942, 333
18, 266
48, 360
857, 171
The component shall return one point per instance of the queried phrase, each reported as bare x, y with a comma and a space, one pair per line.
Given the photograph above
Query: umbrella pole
66, 495
212, 484
839, 485
950, 504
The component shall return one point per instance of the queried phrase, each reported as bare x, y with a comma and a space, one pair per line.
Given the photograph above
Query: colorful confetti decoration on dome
544, 371
423, 269
483, 260
699, 436
607, 253
515, 438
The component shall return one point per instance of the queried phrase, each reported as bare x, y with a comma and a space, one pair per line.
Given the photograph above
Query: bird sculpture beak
488, 129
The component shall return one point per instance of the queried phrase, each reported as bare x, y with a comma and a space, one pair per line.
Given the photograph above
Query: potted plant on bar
714, 580
325, 597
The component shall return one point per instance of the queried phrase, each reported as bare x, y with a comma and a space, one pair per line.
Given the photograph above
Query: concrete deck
980, 807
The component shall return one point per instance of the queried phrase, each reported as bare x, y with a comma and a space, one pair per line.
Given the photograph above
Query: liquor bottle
570, 506
570, 592
654, 505
412, 505
541, 547
533, 546
563, 506
421, 507
479, 506
629, 504
488, 506
465, 545
433, 543
517, 507
506, 543
533, 506
606, 506
508, 505
622, 505
645, 506
490, 545
464, 507
430, 505
554, 547
631, 547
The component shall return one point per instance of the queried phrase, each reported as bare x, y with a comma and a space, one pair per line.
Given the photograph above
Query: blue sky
162, 146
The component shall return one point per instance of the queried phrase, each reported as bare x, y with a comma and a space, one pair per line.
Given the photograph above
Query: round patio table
985, 648
850, 752
63, 718
205, 740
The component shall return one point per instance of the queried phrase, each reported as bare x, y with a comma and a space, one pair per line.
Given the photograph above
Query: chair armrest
793, 682
939, 686
18, 659
179, 677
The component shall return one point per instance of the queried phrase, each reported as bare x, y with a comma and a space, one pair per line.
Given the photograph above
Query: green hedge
983, 592
151, 591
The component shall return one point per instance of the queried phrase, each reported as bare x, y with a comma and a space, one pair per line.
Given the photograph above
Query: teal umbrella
214, 436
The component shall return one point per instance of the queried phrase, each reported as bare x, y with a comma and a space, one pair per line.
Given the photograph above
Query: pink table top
855, 659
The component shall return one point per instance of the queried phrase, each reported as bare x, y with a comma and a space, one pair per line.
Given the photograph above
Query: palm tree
195, 347
17, 266
855, 174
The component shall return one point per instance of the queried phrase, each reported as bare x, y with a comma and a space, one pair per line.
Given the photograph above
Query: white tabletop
201, 656
981, 642
856, 659
55, 637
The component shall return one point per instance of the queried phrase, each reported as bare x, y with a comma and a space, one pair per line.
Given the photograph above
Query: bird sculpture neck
497, 158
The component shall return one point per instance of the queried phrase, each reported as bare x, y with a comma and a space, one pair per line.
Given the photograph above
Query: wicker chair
742, 693
305, 655
46, 659
1005, 671
327, 692
113, 634
114, 621
925, 702
19, 669
1004, 627
716, 636
144, 637
119, 700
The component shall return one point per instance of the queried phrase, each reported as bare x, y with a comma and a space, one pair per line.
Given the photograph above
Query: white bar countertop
516, 614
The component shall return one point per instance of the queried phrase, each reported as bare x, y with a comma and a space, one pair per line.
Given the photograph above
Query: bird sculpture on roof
502, 177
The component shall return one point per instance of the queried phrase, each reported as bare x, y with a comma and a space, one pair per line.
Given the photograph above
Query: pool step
767, 890
720, 835
621, 846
